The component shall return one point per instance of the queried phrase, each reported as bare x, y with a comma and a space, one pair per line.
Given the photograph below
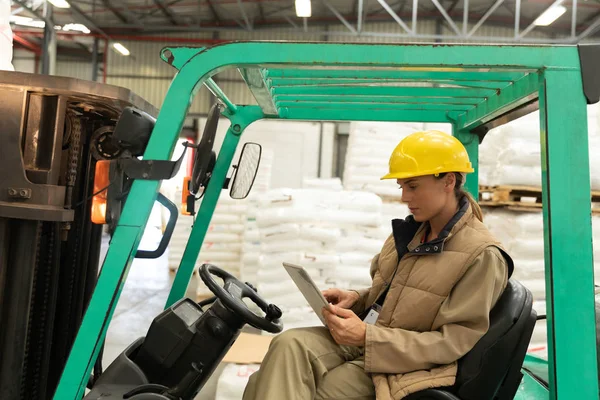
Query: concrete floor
143, 297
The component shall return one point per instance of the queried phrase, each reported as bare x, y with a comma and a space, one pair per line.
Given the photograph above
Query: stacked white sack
179, 240
323, 183
360, 244
369, 147
306, 227
510, 154
522, 234
291, 228
262, 182
251, 249
302, 241
390, 211
233, 380
339, 209
222, 245
251, 243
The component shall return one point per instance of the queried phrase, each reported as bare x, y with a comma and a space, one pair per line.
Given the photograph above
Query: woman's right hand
341, 298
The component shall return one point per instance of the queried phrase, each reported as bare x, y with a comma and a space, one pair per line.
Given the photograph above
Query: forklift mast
53, 130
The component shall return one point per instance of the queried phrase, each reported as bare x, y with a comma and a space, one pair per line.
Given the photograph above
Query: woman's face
426, 196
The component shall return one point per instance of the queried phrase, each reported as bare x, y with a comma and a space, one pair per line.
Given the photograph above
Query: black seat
492, 369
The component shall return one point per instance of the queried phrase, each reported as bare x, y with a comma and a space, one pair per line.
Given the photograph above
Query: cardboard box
248, 349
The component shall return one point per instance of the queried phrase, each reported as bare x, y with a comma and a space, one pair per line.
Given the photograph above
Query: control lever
187, 383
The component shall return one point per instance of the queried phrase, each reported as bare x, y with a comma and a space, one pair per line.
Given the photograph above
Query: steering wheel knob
273, 312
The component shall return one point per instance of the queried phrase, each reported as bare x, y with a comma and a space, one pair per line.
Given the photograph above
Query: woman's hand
345, 326
341, 298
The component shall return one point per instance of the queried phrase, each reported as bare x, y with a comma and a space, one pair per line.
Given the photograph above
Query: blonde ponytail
474, 206
460, 193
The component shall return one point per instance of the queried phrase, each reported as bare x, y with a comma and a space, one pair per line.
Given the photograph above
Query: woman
434, 283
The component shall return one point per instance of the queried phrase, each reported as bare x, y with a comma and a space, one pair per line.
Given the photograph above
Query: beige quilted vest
422, 283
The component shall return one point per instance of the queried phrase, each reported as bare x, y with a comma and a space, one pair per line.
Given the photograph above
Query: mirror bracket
190, 205
205, 157
226, 183
154, 170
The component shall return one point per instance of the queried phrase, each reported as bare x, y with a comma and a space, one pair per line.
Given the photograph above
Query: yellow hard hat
428, 153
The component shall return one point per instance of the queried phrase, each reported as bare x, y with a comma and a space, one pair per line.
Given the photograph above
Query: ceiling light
60, 3
76, 27
26, 21
121, 49
303, 8
550, 15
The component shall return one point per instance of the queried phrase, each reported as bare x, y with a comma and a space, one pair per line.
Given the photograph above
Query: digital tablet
308, 288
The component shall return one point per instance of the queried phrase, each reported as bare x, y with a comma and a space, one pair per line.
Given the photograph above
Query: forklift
474, 88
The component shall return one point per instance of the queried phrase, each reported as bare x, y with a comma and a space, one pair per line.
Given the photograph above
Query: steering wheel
204, 161
232, 293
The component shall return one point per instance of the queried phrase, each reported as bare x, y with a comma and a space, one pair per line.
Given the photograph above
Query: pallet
521, 198
515, 198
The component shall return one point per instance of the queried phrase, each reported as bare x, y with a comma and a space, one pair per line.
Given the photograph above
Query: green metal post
239, 121
471, 143
567, 237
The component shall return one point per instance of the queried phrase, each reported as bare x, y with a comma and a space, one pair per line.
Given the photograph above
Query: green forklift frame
474, 88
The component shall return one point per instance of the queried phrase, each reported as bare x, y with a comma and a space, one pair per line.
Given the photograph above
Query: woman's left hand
345, 326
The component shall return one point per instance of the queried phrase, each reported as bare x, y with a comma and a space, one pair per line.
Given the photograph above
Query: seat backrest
491, 370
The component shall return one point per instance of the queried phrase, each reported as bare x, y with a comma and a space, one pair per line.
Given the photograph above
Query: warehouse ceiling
164, 15
350, 19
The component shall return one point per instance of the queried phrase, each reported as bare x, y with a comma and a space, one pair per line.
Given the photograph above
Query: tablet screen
308, 288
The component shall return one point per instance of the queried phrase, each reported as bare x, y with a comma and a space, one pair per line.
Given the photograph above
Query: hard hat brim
406, 175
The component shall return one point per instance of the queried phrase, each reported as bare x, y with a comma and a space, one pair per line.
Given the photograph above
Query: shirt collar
436, 245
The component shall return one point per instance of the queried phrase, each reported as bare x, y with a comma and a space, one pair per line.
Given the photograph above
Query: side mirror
245, 171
